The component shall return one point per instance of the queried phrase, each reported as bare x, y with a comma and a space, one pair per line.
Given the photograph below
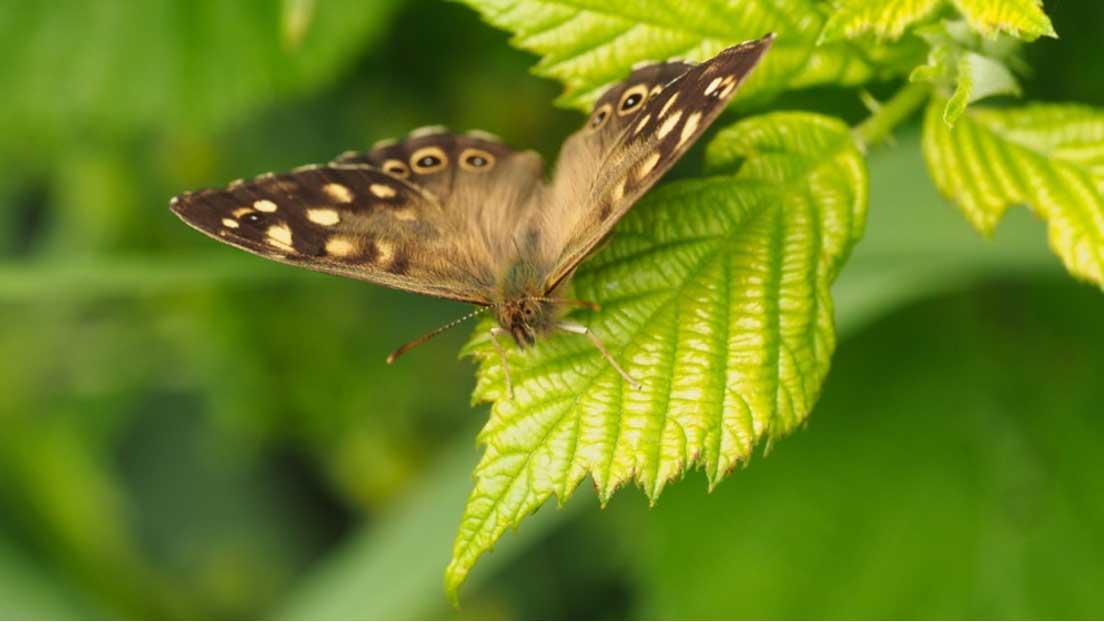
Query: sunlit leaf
1021, 18
887, 19
1046, 156
715, 295
587, 44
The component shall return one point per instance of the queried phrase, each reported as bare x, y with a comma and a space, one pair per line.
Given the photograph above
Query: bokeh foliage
187, 431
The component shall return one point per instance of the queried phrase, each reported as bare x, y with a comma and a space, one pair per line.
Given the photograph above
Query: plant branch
878, 126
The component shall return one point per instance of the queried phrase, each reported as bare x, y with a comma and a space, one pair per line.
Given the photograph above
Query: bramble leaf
588, 44
1049, 157
715, 295
887, 19
1024, 19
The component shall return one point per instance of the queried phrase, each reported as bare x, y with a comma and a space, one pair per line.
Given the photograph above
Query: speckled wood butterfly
463, 217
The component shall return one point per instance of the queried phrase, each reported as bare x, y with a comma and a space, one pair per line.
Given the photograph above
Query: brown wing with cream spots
486, 188
649, 139
347, 219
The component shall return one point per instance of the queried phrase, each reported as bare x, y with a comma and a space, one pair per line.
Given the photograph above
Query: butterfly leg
579, 329
495, 332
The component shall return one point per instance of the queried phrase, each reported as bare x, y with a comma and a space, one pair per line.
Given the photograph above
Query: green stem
892, 113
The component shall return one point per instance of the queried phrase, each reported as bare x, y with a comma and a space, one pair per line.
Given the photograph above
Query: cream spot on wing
241, 211
727, 85
643, 122
382, 191
618, 191
667, 106
230, 223
338, 246
280, 237
406, 213
264, 205
689, 127
669, 124
713, 86
338, 192
323, 216
386, 251
647, 165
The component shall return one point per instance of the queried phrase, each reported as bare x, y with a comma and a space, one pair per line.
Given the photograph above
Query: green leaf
715, 295
110, 66
978, 77
1024, 19
887, 19
587, 44
971, 67
1047, 156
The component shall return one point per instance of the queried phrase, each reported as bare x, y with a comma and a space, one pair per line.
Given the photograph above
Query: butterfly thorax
523, 308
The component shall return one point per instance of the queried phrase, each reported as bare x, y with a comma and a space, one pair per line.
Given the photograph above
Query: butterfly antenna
410, 345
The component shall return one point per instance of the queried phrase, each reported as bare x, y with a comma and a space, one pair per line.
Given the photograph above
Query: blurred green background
189, 431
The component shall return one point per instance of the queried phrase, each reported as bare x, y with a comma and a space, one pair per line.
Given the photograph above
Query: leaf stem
887, 116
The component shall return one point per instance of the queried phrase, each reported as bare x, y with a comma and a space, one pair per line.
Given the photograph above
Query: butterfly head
526, 319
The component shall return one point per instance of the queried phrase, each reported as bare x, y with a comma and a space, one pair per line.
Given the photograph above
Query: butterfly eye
476, 160
428, 160
600, 116
632, 98
396, 168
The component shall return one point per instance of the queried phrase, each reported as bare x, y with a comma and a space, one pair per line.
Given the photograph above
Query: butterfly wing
636, 132
405, 215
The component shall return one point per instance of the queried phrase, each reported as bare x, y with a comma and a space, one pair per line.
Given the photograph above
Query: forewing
347, 219
601, 175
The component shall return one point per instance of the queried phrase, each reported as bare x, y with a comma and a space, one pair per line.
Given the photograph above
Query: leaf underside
1049, 157
588, 44
715, 295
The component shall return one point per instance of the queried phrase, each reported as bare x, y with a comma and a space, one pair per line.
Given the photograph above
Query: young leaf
887, 19
1047, 156
587, 44
715, 295
1020, 18
978, 77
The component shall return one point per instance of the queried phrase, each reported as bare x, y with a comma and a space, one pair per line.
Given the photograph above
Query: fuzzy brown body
464, 217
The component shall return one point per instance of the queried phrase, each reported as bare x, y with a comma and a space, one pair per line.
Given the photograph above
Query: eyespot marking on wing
631, 99
397, 168
599, 118
476, 160
428, 160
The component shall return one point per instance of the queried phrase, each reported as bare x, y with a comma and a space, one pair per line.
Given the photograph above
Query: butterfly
466, 218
